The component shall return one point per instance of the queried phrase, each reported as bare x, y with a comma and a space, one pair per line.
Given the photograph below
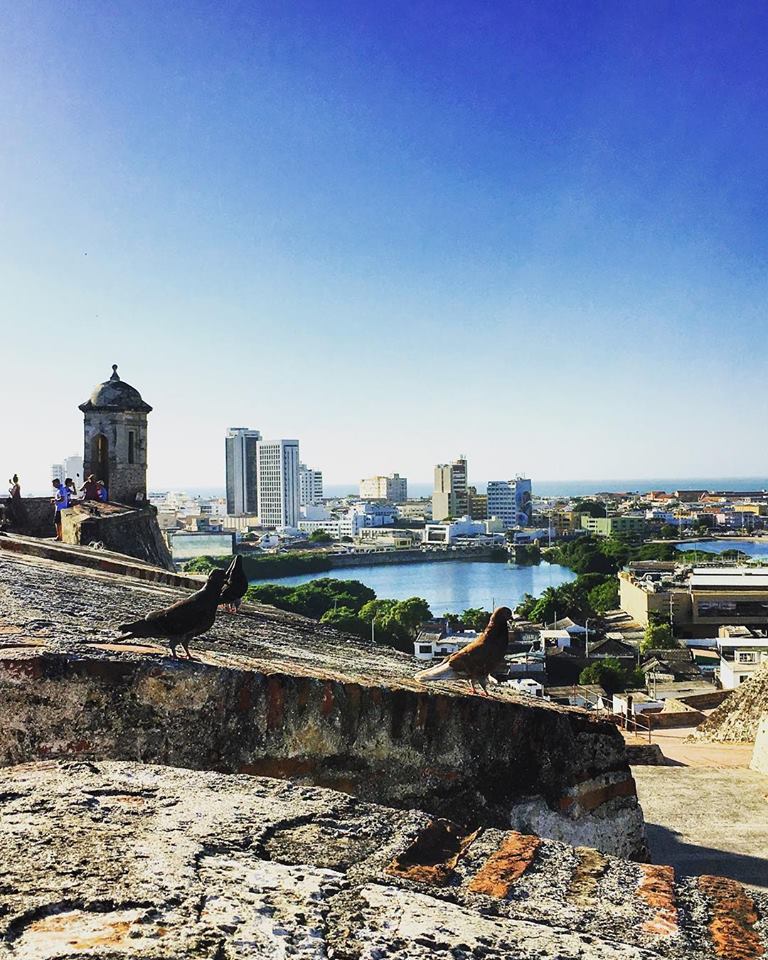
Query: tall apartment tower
115, 439
277, 482
393, 488
449, 497
510, 501
310, 486
242, 496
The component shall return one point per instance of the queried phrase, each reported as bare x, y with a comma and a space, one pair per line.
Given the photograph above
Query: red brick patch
657, 888
433, 855
503, 869
733, 919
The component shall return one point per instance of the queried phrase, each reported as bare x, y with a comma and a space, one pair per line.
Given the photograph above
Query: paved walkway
707, 820
676, 748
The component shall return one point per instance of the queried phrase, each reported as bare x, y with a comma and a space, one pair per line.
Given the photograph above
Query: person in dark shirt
90, 489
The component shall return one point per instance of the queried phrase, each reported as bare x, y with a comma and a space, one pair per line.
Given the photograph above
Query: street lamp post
586, 637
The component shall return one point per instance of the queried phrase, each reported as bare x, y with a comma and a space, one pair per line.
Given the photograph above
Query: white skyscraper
510, 501
277, 482
310, 486
73, 467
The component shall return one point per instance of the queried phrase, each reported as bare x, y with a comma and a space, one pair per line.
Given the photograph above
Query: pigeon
477, 661
235, 587
184, 619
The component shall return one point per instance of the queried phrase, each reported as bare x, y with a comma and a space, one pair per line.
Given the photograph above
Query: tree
608, 673
475, 618
668, 531
346, 619
605, 596
592, 508
526, 605
658, 636
320, 536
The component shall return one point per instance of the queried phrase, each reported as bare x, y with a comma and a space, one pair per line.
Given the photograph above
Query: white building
427, 646
277, 482
510, 501
393, 488
740, 657
57, 472
310, 486
526, 685
450, 532
240, 445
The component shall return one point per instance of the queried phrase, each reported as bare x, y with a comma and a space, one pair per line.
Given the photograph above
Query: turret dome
115, 394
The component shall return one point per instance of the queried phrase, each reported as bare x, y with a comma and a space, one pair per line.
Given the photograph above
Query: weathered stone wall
279, 695
759, 760
558, 773
135, 533
36, 518
133, 861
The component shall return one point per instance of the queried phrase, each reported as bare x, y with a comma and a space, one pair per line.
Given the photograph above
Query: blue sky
533, 233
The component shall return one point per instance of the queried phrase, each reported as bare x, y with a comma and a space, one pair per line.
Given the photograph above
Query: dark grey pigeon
236, 586
187, 618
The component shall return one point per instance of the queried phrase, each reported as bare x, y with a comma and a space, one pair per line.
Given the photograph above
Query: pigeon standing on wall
183, 620
235, 587
477, 661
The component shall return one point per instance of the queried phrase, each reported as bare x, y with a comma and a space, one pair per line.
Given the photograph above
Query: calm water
717, 546
452, 585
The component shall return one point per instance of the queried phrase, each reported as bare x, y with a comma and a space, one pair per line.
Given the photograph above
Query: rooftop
115, 394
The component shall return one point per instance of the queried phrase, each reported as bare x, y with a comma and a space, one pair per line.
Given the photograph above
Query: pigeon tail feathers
443, 671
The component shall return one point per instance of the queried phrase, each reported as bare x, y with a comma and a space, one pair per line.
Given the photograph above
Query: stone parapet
278, 695
129, 860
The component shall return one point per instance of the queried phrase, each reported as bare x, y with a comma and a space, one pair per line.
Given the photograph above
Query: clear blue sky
535, 233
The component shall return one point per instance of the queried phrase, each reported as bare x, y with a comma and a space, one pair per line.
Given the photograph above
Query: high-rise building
310, 486
477, 504
277, 482
73, 467
242, 497
510, 501
449, 497
57, 472
393, 488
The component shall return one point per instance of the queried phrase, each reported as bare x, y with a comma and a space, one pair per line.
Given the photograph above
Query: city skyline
549, 220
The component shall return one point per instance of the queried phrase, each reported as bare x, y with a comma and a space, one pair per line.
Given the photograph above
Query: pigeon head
216, 579
500, 617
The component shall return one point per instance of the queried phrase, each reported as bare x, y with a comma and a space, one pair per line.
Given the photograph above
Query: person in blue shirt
101, 492
60, 502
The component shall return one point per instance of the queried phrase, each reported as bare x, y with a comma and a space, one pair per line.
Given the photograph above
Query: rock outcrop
124, 860
738, 717
277, 695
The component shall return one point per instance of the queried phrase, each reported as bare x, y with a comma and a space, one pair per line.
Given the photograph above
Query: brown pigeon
184, 619
477, 661
236, 586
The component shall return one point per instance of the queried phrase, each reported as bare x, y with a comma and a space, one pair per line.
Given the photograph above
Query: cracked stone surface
115, 859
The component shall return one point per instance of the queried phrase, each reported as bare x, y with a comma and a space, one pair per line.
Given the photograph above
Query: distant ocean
550, 488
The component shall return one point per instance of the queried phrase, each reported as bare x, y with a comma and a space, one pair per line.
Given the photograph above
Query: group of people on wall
66, 495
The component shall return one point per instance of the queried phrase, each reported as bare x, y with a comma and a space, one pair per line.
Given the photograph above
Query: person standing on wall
60, 502
101, 491
90, 489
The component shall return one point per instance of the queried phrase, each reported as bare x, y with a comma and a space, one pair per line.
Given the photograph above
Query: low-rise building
740, 657
628, 526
